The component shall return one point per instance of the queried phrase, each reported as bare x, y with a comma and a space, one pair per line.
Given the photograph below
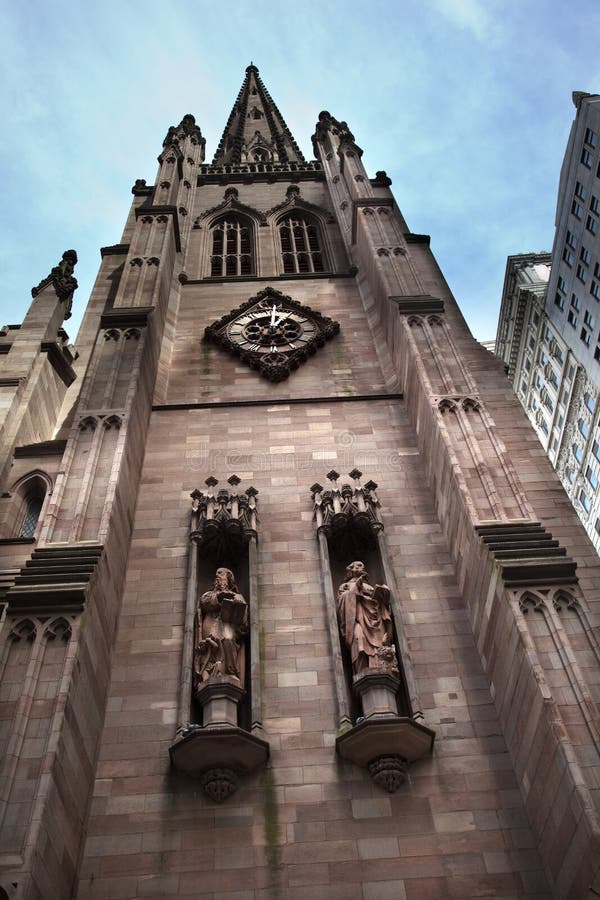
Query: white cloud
472, 15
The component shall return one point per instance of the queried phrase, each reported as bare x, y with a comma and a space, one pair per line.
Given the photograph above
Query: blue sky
465, 103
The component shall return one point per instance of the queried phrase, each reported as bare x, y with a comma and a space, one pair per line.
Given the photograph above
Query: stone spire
255, 130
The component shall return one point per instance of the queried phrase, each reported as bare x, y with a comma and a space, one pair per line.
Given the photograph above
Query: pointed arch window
301, 249
31, 517
231, 247
27, 506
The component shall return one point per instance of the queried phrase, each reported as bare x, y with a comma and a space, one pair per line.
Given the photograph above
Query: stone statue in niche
366, 622
221, 626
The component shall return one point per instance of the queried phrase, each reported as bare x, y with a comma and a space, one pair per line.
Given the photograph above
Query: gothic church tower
294, 605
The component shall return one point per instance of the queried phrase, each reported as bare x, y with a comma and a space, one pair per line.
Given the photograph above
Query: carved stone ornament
272, 333
389, 772
186, 128
62, 280
348, 513
225, 519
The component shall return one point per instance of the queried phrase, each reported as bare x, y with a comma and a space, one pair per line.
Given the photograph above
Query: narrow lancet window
32, 515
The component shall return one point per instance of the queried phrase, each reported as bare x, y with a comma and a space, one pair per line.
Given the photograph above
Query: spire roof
256, 130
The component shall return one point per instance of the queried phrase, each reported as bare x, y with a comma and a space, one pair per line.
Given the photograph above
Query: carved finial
186, 128
371, 486
211, 481
232, 193
333, 475
62, 279
233, 480
251, 491
316, 488
355, 473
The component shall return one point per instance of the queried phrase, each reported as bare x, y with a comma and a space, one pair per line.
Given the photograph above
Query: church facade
294, 604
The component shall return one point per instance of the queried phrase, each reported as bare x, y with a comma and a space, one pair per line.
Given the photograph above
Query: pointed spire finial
256, 132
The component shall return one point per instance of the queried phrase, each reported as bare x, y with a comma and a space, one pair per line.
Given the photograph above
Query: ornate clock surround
272, 333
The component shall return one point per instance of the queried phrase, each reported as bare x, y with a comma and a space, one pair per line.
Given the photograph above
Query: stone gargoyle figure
366, 622
221, 626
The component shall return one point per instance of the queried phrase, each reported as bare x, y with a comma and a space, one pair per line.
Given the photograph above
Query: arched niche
220, 734
380, 720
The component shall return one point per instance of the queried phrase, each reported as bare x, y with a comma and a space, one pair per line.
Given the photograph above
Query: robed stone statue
366, 622
221, 626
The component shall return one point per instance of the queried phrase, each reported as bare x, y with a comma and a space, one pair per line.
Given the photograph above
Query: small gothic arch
23, 630
415, 320
58, 628
112, 334
471, 404
113, 421
88, 423
531, 600
435, 320
564, 599
446, 404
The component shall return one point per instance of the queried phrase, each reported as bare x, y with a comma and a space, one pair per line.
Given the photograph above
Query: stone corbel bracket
223, 524
381, 740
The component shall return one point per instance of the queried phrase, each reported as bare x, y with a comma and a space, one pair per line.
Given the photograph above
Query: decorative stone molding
124, 317
527, 554
295, 201
232, 203
55, 579
421, 304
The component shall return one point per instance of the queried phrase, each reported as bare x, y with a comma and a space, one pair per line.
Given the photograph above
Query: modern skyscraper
548, 333
294, 604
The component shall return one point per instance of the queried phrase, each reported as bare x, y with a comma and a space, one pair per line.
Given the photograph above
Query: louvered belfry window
231, 248
300, 245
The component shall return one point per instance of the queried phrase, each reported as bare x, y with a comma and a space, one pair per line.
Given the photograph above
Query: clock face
271, 327
272, 333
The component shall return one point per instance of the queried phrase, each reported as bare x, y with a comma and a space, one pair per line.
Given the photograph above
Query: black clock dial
271, 328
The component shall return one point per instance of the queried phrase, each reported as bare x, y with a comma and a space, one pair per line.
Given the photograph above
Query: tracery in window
231, 247
300, 245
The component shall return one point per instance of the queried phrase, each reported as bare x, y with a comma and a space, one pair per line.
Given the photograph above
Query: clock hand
273, 313
282, 319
